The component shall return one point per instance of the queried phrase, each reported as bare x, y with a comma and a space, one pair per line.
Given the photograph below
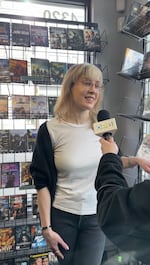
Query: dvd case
132, 64
22, 260
58, 38
3, 107
20, 107
18, 206
40, 71
5, 76
4, 141
75, 39
20, 35
7, 236
10, 175
35, 210
37, 239
51, 104
38, 107
18, 69
4, 207
137, 22
4, 33
17, 141
40, 258
9, 262
144, 148
58, 70
23, 237
25, 175
39, 36
31, 139
92, 41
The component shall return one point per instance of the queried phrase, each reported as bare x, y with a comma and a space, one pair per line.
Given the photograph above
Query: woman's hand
143, 163
53, 241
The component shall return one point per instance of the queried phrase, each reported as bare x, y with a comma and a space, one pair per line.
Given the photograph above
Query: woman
64, 167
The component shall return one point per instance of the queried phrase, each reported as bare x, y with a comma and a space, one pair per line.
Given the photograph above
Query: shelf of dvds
35, 54
136, 67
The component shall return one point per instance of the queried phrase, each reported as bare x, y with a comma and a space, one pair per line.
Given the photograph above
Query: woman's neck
76, 118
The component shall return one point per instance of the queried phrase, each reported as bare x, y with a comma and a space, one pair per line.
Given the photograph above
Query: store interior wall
120, 95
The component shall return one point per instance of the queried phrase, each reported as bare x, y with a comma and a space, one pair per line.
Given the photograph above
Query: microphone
106, 126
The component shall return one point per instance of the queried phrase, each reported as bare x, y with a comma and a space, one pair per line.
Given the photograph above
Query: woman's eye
87, 83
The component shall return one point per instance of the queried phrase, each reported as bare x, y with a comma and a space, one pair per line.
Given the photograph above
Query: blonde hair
64, 102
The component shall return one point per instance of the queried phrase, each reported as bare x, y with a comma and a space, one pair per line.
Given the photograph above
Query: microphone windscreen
103, 115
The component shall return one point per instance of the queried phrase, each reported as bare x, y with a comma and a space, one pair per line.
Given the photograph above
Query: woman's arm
44, 207
132, 161
44, 173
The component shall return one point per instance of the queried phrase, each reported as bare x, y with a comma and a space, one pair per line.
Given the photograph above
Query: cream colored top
77, 153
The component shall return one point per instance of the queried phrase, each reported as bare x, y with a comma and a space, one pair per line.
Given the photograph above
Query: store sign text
58, 15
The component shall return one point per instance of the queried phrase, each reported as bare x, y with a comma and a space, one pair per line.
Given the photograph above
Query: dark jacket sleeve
42, 166
123, 212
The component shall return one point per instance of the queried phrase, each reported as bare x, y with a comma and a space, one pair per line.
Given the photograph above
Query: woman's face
85, 93
45, 261
39, 261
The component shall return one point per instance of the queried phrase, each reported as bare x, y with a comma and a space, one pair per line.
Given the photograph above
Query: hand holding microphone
105, 127
109, 146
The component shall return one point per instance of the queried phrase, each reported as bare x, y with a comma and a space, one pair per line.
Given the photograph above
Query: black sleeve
123, 212
113, 194
42, 167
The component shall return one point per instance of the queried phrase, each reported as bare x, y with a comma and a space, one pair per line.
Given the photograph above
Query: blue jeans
83, 235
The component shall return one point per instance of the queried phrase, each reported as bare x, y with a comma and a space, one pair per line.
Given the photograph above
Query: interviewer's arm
116, 202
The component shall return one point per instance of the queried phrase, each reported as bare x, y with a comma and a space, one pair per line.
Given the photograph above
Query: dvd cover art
144, 148
20, 35
58, 38
18, 68
92, 40
18, 206
39, 36
58, 70
146, 111
4, 207
40, 71
17, 140
25, 175
132, 65
29, 207
31, 139
37, 239
35, 210
22, 260
10, 175
38, 107
20, 107
4, 33
3, 107
7, 236
8, 262
138, 22
4, 141
75, 39
145, 71
4, 71
23, 237
40, 259
51, 104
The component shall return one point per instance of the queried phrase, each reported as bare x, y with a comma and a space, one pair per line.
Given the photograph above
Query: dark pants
83, 235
